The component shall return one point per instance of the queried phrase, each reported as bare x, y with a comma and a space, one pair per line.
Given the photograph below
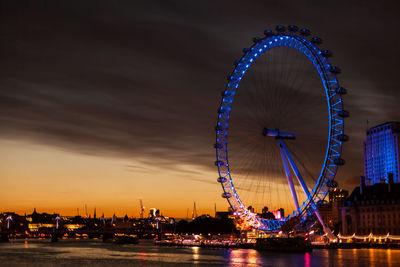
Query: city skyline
119, 102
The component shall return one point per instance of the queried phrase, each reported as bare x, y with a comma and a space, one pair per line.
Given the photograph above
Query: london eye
280, 130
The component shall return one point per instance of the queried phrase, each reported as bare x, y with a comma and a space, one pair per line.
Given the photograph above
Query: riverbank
358, 246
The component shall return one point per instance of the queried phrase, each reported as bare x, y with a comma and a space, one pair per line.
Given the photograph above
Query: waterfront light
369, 237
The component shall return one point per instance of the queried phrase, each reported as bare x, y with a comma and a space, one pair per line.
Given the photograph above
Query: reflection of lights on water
355, 254
236, 256
389, 257
371, 256
339, 257
249, 256
339, 254
196, 255
142, 256
26, 243
307, 260
252, 256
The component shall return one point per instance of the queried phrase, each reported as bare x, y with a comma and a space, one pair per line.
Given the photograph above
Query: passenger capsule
218, 128
339, 161
219, 163
225, 93
226, 195
218, 145
343, 137
305, 32
316, 40
268, 33
335, 70
341, 91
343, 113
256, 40
280, 28
293, 28
221, 110
221, 179
326, 53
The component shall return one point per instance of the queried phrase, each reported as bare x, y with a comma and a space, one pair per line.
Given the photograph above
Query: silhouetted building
266, 214
337, 198
372, 209
222, 214
381, 153
330, 211
37, 220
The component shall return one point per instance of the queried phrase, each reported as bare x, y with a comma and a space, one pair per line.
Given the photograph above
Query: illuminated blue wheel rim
333, 93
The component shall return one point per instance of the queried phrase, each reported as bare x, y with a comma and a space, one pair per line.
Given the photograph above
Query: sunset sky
103, 103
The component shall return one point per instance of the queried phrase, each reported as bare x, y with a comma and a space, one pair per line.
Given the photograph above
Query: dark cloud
141, 79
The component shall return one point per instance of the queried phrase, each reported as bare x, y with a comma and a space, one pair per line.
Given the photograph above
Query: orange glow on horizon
56, 181
53, 180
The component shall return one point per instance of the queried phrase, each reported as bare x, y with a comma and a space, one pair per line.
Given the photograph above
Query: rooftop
375, 194
395, 125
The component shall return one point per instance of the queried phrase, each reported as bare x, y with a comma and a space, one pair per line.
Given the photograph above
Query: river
96, 253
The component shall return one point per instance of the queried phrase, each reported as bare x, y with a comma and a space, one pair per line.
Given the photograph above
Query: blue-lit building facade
381, 153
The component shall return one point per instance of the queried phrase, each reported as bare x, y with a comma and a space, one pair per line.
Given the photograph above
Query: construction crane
194, 212
141, 209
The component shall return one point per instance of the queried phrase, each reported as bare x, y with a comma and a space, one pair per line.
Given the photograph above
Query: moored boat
125, 239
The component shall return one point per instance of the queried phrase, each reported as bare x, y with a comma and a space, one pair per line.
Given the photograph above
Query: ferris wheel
280, 129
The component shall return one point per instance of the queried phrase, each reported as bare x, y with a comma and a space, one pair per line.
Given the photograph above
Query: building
330, 211
223, 214
381, 153
36, 220
372, 209
337, 198
273, 214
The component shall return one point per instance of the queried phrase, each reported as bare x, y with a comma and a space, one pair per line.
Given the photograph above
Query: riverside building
374, 206
372, 209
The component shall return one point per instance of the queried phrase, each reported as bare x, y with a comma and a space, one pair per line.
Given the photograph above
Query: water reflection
307, 260
389, 257
331, 256
339, 257
196, 255
372, 257
245, 256
235, 256
253, 256
355, 254
43, 252
142, 256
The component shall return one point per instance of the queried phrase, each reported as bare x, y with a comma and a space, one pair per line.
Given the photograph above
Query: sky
104, 103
